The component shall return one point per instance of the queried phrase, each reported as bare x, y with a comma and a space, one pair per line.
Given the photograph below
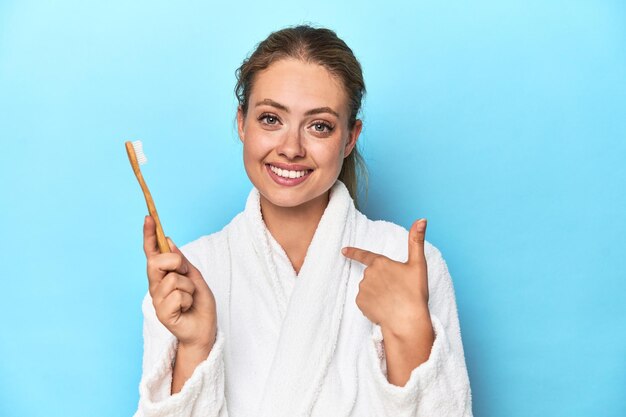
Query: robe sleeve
440, 386
202, 394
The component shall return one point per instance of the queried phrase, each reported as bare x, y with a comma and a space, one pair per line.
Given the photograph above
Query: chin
293, 197
286, 198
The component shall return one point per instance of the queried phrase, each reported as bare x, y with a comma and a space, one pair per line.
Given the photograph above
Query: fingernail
343, 251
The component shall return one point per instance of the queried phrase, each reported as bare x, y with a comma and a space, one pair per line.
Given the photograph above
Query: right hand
181, 297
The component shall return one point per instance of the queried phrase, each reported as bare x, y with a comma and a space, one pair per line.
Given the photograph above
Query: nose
291, 146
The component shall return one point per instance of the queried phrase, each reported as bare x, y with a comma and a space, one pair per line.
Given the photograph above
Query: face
295, 134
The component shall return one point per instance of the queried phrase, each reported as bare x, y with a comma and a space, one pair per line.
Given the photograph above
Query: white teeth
286, 173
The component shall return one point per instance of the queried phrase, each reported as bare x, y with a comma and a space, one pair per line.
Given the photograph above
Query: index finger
150, 246
361, 255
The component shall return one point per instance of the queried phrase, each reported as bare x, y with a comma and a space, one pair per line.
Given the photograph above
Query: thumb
150, 247
417, 234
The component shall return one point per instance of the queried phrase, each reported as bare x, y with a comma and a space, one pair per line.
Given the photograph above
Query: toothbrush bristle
141, 157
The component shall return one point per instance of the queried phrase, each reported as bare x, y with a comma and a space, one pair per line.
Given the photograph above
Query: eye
268, 119
322, 127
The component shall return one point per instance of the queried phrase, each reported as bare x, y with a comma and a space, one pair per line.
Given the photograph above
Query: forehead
300, 86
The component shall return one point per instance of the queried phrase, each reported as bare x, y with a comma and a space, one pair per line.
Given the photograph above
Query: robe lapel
263, 252
313, 313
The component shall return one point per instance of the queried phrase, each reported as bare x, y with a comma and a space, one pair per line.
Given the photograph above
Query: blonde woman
301, 306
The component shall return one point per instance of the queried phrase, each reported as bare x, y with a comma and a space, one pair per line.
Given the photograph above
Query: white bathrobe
298, 345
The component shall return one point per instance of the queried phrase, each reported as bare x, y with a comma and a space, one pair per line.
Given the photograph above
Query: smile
288, 174
284, 176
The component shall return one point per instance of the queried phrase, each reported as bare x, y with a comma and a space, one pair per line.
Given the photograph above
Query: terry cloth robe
298, 345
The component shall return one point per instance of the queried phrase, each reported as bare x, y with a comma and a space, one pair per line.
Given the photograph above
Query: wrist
408, 344
198, 348
412, 325
188, 357
193, 352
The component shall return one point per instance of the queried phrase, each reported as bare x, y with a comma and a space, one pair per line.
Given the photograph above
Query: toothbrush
137, 157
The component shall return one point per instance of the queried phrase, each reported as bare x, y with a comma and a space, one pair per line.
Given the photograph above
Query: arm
183, 371
407, 347
187, 360
411, 371
438, 386
202, 394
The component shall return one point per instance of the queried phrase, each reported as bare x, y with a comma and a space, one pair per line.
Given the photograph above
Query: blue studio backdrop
502, 122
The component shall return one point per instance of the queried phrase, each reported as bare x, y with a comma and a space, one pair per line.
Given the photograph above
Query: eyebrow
317, 110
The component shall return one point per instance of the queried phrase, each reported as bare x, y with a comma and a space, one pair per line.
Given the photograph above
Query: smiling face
295, 134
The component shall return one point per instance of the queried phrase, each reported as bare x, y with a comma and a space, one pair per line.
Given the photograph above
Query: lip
290, 182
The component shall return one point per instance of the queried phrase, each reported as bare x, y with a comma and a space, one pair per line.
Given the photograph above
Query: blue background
503, 123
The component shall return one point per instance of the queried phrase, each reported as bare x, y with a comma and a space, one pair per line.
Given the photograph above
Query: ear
240, 122
353, 136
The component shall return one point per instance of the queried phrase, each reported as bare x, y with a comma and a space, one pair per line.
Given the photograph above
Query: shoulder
211, 254
212, 244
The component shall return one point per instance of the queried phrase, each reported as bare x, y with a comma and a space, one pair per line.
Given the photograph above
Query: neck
294, 227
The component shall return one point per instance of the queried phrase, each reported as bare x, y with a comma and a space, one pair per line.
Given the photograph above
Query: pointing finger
417, 234
361, 255
163, 263
172, 282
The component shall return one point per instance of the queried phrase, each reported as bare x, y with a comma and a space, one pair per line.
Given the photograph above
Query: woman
301, 305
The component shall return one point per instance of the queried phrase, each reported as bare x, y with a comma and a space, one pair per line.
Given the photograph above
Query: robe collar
311, 316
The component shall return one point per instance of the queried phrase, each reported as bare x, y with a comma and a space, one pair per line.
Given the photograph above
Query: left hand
395, 294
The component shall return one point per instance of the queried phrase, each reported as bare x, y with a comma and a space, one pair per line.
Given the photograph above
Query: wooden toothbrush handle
164, 247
